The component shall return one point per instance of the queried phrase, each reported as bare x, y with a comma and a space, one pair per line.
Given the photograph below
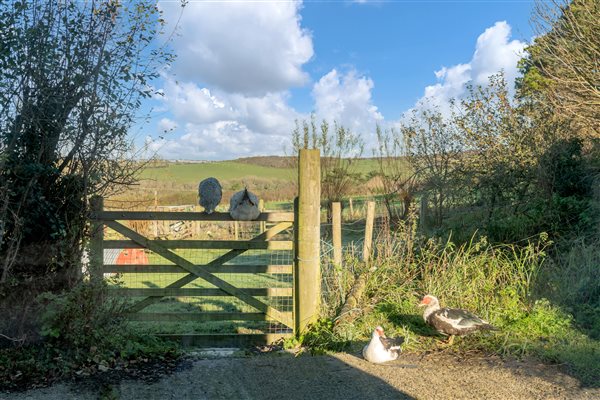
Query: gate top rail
184, 215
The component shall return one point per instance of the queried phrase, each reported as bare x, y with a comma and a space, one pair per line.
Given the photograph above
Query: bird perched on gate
209, 193
451, 321
243, 206
381, 348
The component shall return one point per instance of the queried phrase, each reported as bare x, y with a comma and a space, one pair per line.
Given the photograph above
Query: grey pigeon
243, 206
209, 192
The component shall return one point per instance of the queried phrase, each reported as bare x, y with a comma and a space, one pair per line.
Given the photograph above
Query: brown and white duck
381, 348
451, 321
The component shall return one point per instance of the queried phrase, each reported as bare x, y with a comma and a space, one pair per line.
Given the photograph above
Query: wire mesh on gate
199, 306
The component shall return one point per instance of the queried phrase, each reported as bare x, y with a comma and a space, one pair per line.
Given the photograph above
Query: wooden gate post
307, 260
96, 260
351, 208
336, 214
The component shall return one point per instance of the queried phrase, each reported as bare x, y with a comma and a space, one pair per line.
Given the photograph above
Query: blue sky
246, 70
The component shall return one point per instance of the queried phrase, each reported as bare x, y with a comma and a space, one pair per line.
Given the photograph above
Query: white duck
243, 206
381, 348
451, 321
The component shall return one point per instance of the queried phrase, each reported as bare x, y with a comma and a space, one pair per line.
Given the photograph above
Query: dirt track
343, 376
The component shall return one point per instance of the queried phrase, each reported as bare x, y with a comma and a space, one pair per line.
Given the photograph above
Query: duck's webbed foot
448, 342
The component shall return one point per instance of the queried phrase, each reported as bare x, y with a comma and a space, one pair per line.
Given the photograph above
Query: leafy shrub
83, 316
82, 333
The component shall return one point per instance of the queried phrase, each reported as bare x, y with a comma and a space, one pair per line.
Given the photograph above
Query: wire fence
141, 274
337, 278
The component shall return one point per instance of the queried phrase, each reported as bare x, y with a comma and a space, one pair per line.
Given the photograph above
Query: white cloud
494, 52
269, 113
191, 103
227, 93
221, 125
216, 141
167, 125
346, 98
244, 47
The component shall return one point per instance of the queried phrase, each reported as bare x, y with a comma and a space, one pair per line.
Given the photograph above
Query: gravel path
342, 376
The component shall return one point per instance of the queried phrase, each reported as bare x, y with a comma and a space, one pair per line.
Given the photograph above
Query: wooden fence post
336, 210
402, 210
307, 267
423, 212
196, 224
368, 244
96, 260
351, 208
261, 207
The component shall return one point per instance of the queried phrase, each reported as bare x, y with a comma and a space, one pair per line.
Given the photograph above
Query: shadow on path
269, 377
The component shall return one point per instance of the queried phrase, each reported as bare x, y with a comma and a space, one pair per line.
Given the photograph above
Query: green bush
82, 332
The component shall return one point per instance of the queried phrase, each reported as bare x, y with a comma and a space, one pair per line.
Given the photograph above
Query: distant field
176, 183
232, 170
222, 170
366, 165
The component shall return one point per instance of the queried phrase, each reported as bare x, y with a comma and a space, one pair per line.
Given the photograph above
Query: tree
72, 76
500, 144
434, 150
397, 177
520, 164
563, 61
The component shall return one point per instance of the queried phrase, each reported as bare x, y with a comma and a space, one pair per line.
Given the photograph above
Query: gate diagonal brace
200, 272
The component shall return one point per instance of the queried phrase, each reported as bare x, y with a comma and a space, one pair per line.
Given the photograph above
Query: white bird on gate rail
209, 193
381, 348
243, 206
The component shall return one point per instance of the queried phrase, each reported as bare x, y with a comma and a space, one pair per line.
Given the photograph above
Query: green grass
176, 183
209, 303
223, 170
572, 280
366, 165
188, 173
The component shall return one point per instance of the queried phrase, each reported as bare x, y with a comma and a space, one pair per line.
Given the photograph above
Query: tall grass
505, 284
572, 280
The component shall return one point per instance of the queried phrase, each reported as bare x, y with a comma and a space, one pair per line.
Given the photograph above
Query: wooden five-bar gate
274, 299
